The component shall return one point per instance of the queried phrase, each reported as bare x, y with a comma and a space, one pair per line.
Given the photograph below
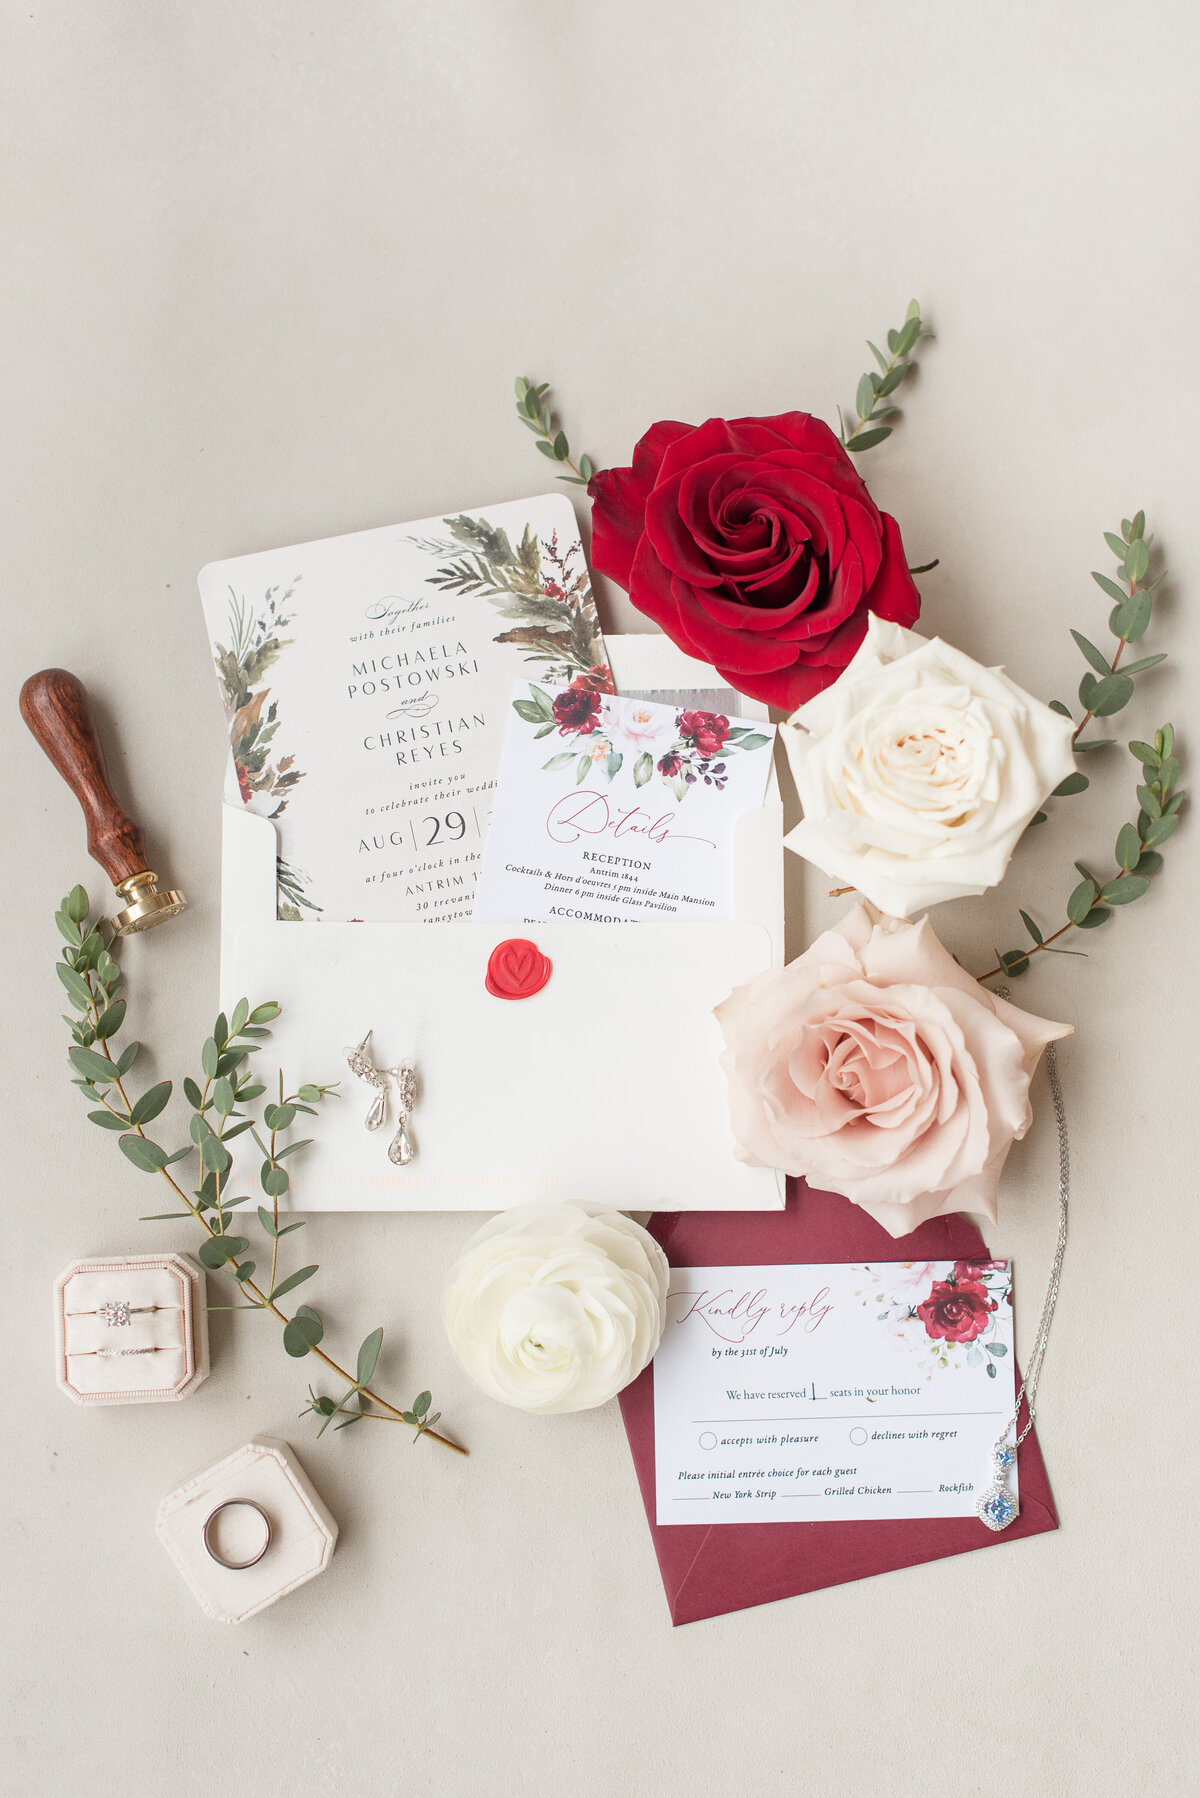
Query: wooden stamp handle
54, 704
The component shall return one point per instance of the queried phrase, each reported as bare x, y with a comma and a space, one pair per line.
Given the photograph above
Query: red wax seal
517, 969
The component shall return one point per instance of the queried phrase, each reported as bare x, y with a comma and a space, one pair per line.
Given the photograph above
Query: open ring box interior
131, 1329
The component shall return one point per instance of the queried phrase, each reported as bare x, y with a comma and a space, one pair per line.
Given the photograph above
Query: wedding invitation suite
367, 683
611, 809
831, 1393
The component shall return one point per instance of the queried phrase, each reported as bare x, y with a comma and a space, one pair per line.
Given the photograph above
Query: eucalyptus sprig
1137, 856
220, 1102
534, 412
874, 389
1104, 691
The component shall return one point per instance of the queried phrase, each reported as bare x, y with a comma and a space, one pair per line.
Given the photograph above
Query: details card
831, 1393
612, 809
366, 683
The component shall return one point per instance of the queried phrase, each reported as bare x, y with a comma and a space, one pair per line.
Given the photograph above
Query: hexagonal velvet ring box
264, 1472
131, 1329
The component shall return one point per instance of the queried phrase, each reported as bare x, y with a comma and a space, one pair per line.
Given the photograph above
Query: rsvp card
831, 1393
366, 682
610, 809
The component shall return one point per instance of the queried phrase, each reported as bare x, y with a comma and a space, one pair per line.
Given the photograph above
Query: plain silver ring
228, 1505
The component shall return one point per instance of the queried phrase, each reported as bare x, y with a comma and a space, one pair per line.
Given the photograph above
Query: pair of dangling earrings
401, 1149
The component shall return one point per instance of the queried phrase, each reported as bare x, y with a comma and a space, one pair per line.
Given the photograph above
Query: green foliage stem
220, 1100
1137, 855
534, 412
874, 390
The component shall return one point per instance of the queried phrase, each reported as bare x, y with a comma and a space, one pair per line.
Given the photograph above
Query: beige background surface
269, 271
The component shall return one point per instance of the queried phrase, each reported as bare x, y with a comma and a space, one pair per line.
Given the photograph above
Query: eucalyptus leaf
1099, 661
111, 1019
368, 1357
1080, 902
92, 1066
215, 1155
143, 1153
1074, 783
1131, 619
866, 440
68, 928
108, 1120
301, 1335
209, 1056
76, 986
1125, 889
152, 1101
1129, 847
294, 1280
1110, 587
1158, 830
1104, 697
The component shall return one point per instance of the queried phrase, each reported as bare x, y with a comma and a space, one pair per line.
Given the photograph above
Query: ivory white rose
556, 1307
873, 1066
919, 769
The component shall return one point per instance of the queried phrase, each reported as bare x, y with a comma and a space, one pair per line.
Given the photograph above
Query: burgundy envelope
708, 1569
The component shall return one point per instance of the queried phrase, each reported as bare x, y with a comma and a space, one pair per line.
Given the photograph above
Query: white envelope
606, 1085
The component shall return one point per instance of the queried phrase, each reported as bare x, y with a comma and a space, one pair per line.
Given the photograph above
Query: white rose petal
556, 1307
919, 769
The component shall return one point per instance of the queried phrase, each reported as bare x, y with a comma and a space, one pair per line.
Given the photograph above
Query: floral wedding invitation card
367, 683
613, 809
831, 1393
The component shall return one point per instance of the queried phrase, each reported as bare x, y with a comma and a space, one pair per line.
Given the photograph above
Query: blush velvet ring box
268, 1493
605, 1082
131, 1329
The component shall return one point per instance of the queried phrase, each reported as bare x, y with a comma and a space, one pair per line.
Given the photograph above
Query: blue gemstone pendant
997, 1508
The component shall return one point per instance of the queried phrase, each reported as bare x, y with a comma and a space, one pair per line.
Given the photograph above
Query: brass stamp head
145, 906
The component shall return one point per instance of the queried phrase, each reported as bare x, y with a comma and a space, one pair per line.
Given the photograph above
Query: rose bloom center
940, 763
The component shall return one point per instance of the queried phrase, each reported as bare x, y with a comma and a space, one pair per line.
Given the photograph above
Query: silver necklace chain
997, 1508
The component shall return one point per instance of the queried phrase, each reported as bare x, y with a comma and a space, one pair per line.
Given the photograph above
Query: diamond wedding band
236, 1504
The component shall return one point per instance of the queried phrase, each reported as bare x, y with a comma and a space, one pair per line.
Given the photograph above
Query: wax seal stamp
517, 969
55, 707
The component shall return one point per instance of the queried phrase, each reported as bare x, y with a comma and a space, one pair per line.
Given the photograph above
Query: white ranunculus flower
919, 769
556, 1307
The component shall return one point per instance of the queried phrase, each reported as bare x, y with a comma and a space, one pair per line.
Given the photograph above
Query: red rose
956, 1313
974, 1270
707, 730
598, 677
577, 708
670, 764
755, 545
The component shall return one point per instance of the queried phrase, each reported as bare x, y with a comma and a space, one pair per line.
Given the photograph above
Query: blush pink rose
874, 1066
